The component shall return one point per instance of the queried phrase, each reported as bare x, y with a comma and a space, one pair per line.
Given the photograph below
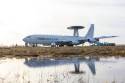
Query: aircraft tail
91, 65
90, 33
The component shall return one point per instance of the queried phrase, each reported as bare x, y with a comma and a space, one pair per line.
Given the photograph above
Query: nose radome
24, 39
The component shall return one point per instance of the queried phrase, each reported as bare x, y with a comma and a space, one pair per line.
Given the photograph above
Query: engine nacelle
93, 40
75, 42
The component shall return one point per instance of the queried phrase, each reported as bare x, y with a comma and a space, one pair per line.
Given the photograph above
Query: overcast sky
19, 18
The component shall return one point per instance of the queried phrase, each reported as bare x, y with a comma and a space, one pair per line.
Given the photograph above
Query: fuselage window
46, 38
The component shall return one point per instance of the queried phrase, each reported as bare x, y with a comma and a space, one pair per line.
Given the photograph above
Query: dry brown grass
62, 51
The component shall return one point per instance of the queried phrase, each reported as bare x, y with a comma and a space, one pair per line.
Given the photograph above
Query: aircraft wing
102, 37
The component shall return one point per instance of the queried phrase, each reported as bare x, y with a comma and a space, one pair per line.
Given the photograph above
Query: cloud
91, 3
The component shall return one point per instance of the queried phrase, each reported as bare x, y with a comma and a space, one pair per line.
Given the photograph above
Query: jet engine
75, 42
94, 40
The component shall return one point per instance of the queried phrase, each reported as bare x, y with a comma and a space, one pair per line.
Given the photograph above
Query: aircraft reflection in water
34, 62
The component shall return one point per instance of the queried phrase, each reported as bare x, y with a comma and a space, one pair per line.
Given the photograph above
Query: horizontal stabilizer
102, 37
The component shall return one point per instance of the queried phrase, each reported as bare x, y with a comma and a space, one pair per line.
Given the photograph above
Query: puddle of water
92, 70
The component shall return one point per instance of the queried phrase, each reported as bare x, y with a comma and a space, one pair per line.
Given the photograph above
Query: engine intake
92, 40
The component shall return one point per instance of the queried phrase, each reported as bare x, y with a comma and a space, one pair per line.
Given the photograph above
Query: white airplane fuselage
63, 40
52, 39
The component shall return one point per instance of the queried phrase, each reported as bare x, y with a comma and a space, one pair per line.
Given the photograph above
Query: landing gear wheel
26, 44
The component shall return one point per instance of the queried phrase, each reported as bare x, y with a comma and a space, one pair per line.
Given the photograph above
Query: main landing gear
33, 45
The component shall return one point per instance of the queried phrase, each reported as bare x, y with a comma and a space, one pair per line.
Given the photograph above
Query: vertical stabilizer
90, 33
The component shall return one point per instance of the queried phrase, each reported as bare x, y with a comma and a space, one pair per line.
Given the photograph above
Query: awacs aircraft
57, 40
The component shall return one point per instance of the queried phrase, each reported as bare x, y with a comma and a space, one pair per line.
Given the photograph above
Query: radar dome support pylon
75, 28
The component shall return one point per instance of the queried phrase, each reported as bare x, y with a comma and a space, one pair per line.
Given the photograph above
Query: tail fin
91, 65
90, 33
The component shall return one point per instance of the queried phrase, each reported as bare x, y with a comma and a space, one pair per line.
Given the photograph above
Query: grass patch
62, 51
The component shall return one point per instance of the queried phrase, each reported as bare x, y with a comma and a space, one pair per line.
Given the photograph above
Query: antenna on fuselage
75, 28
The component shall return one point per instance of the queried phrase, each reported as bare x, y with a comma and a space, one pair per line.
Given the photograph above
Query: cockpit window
28, 36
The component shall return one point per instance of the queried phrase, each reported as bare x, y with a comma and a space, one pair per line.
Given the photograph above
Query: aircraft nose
25, 39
